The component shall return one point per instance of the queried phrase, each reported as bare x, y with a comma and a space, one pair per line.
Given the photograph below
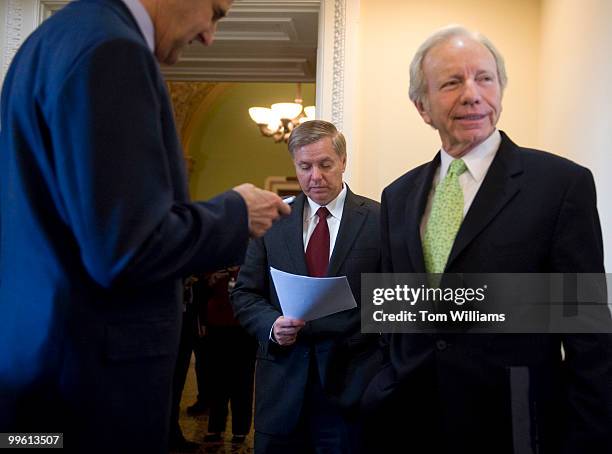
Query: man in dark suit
486, 205
331, 232
97, 227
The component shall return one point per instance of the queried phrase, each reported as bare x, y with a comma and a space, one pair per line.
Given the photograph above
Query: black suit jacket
282, 372
97, 232
534, 213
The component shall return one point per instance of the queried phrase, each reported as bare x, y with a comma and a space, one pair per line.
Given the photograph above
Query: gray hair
418, 85
314, 130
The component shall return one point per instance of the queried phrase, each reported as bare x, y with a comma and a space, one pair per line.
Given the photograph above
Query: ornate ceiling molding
267, 41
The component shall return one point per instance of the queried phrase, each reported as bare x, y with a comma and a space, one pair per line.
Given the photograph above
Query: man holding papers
331, 232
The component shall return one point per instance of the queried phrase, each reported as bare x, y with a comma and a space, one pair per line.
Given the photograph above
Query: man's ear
343, 163
420, 105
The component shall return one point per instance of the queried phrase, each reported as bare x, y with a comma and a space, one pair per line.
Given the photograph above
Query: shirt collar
477, 160
145, 24
335, 207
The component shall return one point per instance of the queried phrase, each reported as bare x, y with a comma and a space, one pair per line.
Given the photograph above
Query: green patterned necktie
444, 219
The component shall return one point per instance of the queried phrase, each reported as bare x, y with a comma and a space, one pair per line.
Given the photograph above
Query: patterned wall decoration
14, 31
338, 71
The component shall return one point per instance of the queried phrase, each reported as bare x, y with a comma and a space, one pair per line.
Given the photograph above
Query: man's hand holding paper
285, 330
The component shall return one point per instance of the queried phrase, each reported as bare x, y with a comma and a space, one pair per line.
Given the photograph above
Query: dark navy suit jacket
96, 233
509, 394
282, 372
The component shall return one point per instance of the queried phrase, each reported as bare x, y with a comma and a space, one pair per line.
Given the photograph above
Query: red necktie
317, 251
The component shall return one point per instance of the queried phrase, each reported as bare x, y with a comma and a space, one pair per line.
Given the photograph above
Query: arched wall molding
190, 100
201, 105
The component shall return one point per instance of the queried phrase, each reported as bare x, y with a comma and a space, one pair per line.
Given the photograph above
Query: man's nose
316, 173
471, 93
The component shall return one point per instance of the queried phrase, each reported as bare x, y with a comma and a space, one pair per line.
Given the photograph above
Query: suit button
441, 344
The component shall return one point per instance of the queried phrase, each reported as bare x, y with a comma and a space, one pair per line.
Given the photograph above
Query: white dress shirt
335, 207
310, 220
477, 161
143, 20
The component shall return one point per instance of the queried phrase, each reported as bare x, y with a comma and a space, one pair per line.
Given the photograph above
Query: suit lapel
353, 217
293, 229
498, 188
416, 201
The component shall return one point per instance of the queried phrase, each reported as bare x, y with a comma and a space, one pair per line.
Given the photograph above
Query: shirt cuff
272, 334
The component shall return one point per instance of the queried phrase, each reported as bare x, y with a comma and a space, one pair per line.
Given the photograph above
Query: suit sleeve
115, 171
386, 264
578, 248
251, 298
577, 241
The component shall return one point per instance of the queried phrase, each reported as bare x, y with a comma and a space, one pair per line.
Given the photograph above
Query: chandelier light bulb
274, 121
287, 110
278, 121
260, 115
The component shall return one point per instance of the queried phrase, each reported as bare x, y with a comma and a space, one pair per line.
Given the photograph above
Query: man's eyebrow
450, 76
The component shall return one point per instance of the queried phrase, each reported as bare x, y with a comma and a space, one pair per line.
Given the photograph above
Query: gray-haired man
487, 205
331, 232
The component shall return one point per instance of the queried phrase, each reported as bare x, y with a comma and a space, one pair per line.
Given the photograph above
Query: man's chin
320, 197
462, 145
475, 136
169, 58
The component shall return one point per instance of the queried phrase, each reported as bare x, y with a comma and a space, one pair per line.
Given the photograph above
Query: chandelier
279, 120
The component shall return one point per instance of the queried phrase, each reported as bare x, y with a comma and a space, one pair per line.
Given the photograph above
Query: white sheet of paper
308, 298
